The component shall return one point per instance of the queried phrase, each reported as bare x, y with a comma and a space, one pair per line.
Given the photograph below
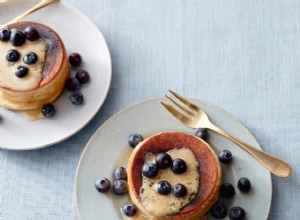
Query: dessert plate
79, 35
108, 149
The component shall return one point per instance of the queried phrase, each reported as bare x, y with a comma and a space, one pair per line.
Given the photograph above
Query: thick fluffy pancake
209, 170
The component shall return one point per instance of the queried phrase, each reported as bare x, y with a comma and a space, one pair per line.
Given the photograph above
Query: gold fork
196, 118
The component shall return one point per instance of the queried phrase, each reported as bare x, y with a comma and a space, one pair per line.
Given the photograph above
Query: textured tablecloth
241, 55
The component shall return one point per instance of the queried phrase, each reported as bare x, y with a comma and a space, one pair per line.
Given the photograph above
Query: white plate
108, 148
79, 35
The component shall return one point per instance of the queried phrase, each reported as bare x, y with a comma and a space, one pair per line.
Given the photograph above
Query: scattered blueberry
129, 209
163, 187
227, 190
102, 185
218, 210
82, 76
202, 133
30, 58
72, 84
150, 170
75, 59
163, 160
76, 98
244, 184
17, 38
31, 33
225, 156
21, 71
179, 190
48, 110
178, 166
5, 34
135, 139
236, 213
120, 187
120, 173
12, 56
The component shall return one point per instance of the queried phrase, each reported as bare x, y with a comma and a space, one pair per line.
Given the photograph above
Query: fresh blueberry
75, 59
129, 209
30, 58
72, 84
82, 76
179, 190
76, 98
31, 33
120, 187
12, 56
178, 166
21, 71
163, 187
227, 190
150, 170
218, 210
225, 156
17, 38
202, 133
135, 139
163, 160
102, 185
120, 173
5, 34
244, 184
48, 110
237, 213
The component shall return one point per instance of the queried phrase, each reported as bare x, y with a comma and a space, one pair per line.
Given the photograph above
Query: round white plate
79, 35
108, 148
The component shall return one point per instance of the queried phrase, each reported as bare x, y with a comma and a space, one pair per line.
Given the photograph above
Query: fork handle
273, 164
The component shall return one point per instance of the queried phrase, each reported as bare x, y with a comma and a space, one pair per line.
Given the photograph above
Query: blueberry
72, 84
227, 190
218, 210
150, 170
163, 160
12, 56
135, 139
237, 213
179, 190
48, 110
82, 76
30, 58
225, 156
120, 187
76, 98
202, 133
244, 184
163, 187
129, 209
5, 34
21, 71
120, 173
178, 166
17, 38
75, 59
102, 185
31, 33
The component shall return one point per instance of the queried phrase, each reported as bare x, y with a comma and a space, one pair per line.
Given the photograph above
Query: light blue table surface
241, 55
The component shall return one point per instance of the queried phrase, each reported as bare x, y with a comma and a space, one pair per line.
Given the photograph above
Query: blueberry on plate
129, 209
102, 185
202, 133
219, 210
227, 190
76, 98
30, 58
75, 59
225, 156
178, 166
5, 34
17, 38
12, 56
31, 33
150, 170
179, 190
244, 184
82, 76
163, 187
21, 71
163, 160
72, 84
120, 173
48, 110
134, 140
237, 213
120, 187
